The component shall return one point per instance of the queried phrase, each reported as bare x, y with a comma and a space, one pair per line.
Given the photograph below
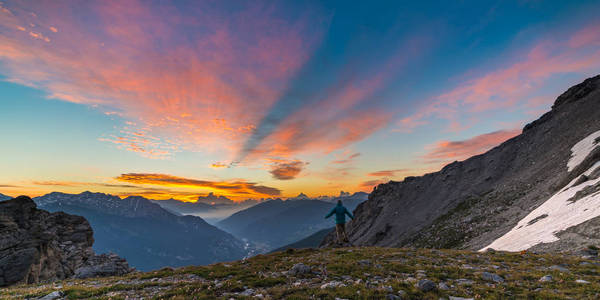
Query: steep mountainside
275, 223
473, 203
4, 197
148, 236
37, 246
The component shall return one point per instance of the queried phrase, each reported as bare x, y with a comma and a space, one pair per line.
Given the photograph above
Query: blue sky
261, 99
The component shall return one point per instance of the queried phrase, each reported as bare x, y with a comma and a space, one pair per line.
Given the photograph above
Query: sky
266, 99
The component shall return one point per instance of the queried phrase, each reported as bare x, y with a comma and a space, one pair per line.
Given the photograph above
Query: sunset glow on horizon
254, 100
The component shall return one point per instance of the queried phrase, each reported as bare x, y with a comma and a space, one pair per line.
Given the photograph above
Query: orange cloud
9, 186
370, 184
387, 173
446, 151
286, 170
81, 184
162, 194
218, 165
517, 83
231, 188
306, 131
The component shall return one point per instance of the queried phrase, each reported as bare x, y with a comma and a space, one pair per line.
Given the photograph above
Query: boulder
299, 269
492, 277
426, 285
38, 246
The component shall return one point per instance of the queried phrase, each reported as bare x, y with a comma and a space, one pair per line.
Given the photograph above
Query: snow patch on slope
555, 215
582, 149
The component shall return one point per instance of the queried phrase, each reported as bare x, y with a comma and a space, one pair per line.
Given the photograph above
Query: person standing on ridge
340, 221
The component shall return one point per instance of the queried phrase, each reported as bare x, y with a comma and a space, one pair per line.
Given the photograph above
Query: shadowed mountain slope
472, 203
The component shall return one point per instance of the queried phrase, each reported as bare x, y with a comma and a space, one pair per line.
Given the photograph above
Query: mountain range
211, 208
539, 190
275, 223
144, 233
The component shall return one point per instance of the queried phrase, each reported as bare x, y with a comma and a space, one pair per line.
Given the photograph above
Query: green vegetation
351, 273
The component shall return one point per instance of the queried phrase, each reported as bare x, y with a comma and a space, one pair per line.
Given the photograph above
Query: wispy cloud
387, 173
200, 90
82, 184
326, 112
227, 188
447, 151
516, 84
346, 159
219, 165
370, 184
143, 143
9, 186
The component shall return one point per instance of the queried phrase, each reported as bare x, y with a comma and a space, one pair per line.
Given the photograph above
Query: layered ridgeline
275, 223
540, 189
4, 197
144, 233
211, 208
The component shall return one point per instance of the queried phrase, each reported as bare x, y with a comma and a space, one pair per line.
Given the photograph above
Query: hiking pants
341, 233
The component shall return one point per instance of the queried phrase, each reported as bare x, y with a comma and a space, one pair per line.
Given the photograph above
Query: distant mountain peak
213, 199
301, 196
4, 197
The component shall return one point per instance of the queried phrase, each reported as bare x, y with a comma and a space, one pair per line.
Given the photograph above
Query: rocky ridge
470, 204
38, 246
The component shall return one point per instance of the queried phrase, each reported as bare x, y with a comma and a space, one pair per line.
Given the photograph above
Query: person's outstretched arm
330, 213
349, 214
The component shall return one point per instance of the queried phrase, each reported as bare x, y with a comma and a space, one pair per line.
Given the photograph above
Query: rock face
472, 203
37, 246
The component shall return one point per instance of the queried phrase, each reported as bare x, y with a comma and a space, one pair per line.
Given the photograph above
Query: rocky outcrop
38, 246
472, 203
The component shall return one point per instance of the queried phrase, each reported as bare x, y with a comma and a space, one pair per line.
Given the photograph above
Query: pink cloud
345, 112
346, 158
447, 151
515, 84
200, 80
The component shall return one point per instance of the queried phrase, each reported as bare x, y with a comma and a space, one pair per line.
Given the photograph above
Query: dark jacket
340, 214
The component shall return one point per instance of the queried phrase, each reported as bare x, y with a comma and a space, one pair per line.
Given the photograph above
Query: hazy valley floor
349, 273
